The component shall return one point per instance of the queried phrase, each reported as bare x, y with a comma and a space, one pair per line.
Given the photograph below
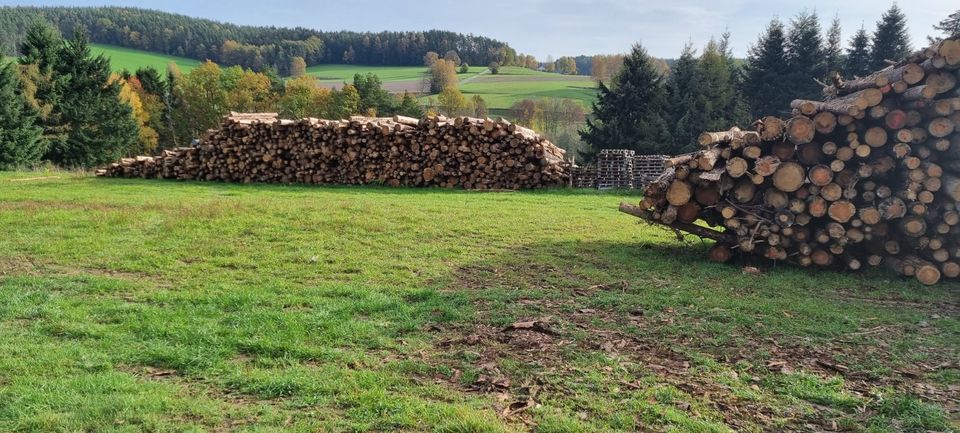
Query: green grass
504, 94
341, 73
131, 60
133, 305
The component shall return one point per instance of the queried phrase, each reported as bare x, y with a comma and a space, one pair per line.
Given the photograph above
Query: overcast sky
555, 27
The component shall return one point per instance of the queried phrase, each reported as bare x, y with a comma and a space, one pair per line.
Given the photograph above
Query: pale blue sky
554, 27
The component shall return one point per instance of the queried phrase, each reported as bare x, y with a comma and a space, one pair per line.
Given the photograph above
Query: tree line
644, 109
63, 105
253, 47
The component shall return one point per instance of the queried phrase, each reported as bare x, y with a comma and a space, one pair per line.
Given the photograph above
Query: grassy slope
514, 84
501, 91
131, 60
341, 73
130, 305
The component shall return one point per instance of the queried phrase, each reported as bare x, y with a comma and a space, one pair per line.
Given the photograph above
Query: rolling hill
500, 91
130, 59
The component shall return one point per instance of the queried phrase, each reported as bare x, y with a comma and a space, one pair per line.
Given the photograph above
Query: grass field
341, 73
133, 305
131, 60
501, 91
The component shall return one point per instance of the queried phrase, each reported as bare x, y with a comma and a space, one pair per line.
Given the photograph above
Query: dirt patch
548, 343
13, 266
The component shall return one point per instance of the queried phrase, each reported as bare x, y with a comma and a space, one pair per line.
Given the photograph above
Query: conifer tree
40, 46
737, 110
857, 61
764, 72
99, 127
681, 89
890, 40
151, 81
833, 50
630, 115
409, 106
39, 53
950, 26
805, 58
20, 140
373, 95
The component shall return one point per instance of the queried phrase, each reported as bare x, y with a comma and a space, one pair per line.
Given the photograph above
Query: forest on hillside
252, 47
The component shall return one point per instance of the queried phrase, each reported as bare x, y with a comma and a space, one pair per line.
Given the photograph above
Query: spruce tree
805, 58
99, 127
737, 110
40, 46
890, 40
39, 53
682, 90
630, 115
20, 140
833, 50
857, 61
764, 73
151, 81
950, 26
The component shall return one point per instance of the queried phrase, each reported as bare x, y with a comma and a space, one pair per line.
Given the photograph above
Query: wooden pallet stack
869, 176
462, 152
583, 176
615, 169
646, 169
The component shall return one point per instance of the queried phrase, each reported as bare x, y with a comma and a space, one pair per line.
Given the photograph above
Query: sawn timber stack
870, 176
460, 152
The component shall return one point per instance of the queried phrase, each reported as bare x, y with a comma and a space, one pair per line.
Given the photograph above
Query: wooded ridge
253, 47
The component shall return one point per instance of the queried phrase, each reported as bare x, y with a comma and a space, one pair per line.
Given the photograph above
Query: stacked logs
460, 152
868, 177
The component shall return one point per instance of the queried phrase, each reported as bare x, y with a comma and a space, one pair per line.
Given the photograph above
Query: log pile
870, 176
462, 152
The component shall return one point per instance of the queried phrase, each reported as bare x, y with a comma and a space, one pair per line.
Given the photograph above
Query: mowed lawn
131, 60
136, 305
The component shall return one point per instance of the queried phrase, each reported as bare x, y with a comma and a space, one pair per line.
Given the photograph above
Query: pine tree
857, 61
890, 40
630, 116
20, 138
805, 58
99, 127
764, 73
833, 50
950, 26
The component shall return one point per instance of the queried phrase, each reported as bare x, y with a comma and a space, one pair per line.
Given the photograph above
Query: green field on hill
341, 73
136, 305
501, 91
131, 60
